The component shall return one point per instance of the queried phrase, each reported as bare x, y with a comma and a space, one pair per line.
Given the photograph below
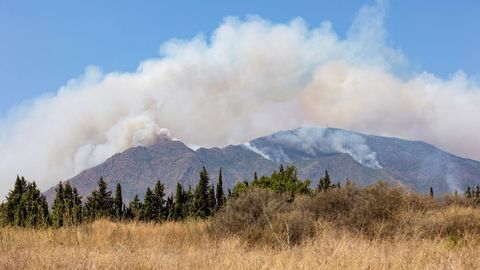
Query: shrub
264, 217
453, 221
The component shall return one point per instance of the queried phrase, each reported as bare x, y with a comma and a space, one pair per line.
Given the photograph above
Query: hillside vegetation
272, 222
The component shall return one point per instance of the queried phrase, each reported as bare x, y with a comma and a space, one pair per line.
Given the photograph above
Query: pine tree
3, 214
58, 207
431, 192
118, 202
255, 177
77, 210
160, 210
220, 194
200, 201
179, 203
100, 203
43, 215
325, 182
12, 207
135, 208
149, 208
24, 206
212, 201
188, 204
68, 204
169, 208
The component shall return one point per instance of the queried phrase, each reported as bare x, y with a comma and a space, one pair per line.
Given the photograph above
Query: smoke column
250, 78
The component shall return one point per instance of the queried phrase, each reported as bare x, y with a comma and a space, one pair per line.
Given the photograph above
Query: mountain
359, 157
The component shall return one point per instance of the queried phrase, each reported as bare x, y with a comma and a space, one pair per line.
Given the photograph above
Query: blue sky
45, 43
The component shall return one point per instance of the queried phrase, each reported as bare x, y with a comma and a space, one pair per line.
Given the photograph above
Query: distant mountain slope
415, 164
362, 158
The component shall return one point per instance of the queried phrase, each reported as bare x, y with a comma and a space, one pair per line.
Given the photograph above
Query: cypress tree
431, 192
201, 205
58, 207
118, 202
255, 177
220, 194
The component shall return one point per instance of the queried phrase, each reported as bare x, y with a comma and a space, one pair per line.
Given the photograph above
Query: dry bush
332, 205
264, 217
367, 210
292, 228
452, 221
377, 211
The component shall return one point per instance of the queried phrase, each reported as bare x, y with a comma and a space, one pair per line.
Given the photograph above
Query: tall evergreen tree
188, 205
68, 204
58, 208
118, 202
77, 210
149, 208
32, 200
135, 208
212, 201
43, 215
161, 211
179, 203
325, 182
220, 194
100, 202
431, 192
3, 214
13, 212
169, 208
201, 205
24, 206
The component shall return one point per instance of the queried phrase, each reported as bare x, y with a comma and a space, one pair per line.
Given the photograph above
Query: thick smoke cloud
250, 78
314, 140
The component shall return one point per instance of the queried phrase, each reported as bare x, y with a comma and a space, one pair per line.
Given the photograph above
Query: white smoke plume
249, 78
314, 141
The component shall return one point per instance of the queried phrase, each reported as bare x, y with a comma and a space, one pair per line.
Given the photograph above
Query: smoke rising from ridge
250, 78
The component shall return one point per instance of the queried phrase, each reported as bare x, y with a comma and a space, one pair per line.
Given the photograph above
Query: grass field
190, 245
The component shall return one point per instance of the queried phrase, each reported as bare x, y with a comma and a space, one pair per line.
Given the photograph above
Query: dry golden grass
189, 245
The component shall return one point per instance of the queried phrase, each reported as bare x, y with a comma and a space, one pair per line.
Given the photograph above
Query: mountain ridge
359, 157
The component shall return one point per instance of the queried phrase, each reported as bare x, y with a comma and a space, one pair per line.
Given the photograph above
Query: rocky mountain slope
362, 158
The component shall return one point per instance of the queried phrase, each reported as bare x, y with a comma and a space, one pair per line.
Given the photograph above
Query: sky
81, 81
43, 44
